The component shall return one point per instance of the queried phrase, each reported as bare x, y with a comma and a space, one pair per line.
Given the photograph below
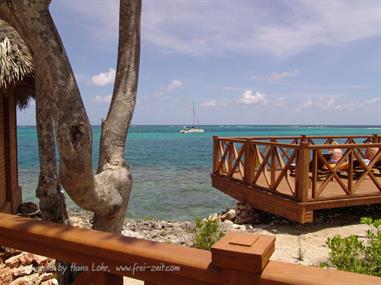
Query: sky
239, 62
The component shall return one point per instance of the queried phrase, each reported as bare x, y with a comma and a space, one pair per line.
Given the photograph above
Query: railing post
242, 257
249, 163
215, 154
302, 171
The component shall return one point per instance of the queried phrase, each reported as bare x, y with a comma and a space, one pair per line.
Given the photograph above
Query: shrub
358, 255
208, 232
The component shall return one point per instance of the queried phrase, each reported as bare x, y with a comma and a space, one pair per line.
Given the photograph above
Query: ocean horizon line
253, 125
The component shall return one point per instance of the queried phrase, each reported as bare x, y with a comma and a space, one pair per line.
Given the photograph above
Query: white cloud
173, 85
324, 103
248, 98
103, 99
208, 104
372, 101
280, 102
278, 75
209, 27
103, 78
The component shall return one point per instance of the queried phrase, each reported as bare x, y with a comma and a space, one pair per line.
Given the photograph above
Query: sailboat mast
194, 115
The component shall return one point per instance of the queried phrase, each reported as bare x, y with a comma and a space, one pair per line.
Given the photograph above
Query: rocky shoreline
295, 243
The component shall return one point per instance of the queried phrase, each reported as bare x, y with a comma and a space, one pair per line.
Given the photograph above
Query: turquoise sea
171, 171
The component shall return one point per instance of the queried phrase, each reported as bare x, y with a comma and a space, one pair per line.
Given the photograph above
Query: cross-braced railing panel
301, 168
230, 155
352, 175
257, 163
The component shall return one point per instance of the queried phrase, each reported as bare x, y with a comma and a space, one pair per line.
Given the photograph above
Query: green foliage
362, 255
208, 232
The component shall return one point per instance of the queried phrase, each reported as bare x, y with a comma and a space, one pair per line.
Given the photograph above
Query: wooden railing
297, 166
236, 259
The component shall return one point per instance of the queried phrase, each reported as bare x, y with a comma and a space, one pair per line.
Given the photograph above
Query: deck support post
215, 154
302, 171
242, 256
249, 163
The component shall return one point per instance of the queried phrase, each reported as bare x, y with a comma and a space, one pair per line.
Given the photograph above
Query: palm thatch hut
16, 88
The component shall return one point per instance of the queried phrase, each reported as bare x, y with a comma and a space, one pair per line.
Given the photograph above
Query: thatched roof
16, 63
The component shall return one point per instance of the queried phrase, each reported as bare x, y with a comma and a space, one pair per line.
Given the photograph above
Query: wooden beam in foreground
239, 258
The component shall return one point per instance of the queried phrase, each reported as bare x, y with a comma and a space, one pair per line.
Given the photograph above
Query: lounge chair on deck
321, 170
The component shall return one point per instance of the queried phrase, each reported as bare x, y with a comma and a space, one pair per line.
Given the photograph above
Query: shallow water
171, 171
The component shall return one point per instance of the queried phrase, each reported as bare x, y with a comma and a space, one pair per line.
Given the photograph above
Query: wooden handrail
266, 140
351, 145
236, 259
303, 136
85, 246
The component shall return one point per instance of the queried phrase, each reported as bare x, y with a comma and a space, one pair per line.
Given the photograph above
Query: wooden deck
291, 176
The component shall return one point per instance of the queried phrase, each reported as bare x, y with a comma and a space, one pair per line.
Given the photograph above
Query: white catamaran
192, 129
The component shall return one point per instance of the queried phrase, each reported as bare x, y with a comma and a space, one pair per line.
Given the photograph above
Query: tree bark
52, 200
106, 194
115, 127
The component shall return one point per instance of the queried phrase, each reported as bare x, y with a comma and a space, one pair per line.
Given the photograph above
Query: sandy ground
303, 245
306, 244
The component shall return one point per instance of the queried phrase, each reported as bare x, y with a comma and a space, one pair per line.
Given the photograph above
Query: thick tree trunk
52, 200
115, 127
59, 105
106, 193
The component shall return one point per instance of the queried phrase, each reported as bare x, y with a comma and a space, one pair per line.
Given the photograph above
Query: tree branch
115, 127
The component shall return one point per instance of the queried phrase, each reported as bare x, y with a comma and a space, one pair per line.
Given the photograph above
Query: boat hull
193, 130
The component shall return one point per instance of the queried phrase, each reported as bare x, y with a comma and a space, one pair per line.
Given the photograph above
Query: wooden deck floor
282, 201
332, 190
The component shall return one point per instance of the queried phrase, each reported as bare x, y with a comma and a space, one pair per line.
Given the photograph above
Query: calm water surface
171, 171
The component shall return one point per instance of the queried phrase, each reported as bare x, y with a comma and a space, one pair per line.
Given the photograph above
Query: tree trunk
114, 129
106, 194
52, 200
59, 105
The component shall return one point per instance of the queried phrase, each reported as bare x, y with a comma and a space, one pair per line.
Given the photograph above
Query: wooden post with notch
242, 257
302, 171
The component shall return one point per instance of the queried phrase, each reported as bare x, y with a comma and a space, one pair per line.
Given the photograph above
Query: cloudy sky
239, 62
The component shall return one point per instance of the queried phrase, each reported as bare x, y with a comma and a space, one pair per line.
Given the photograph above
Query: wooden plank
88, 247
224, 153
367, 171
272, 167
350, 172
315, 173
92, 248
249, 163
260, 199
262, 166
215, 154
342, 202
302, 164
284, 171
14, 191
346, 146
237, 162
230, 157
5, 207
286, 273
3, 186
